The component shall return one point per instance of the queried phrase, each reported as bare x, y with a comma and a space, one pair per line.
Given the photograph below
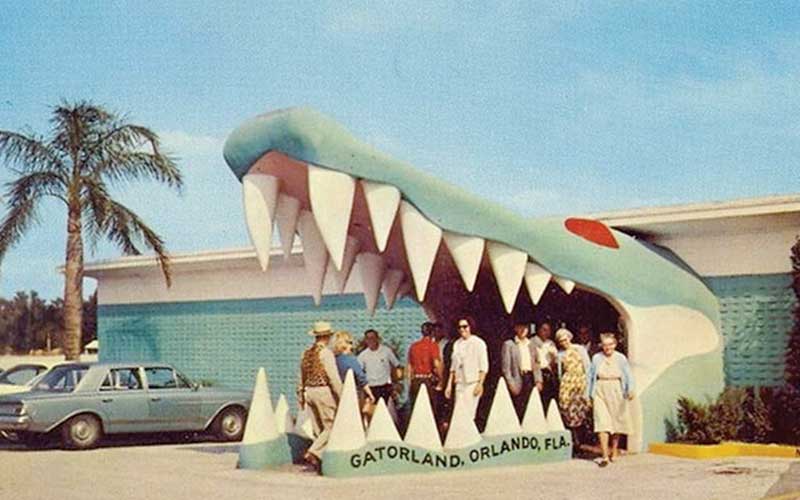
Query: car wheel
229, 424
81, 432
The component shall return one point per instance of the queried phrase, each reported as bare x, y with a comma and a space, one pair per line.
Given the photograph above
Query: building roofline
744, 207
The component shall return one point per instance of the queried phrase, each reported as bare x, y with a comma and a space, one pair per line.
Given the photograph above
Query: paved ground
207, 470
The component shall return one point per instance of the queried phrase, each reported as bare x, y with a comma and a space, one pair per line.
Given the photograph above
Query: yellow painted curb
727, 449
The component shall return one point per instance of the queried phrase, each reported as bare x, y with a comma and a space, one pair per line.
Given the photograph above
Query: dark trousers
382, 392
549, 388
416, 383
521, 399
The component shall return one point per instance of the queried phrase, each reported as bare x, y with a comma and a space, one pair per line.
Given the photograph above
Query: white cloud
188, 145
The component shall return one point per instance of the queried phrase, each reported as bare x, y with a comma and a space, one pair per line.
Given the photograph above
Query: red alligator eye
592, 230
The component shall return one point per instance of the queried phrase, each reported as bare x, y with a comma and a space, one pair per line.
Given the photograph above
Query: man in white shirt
520, 362
547, 354
378, 362
469, 365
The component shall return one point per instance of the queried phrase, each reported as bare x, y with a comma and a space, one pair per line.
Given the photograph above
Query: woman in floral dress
573, 397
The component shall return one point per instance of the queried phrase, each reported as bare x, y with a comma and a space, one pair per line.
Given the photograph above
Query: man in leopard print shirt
320, 388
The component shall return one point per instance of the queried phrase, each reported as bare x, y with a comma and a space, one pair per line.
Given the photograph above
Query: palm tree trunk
73, 283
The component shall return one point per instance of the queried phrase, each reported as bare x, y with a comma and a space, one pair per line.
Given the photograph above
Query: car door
124, 400
174, 404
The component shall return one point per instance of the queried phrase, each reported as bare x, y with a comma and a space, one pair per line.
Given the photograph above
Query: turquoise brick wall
226, 341
756, 313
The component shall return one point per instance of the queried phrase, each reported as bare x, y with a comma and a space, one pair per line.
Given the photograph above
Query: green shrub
738, 414
785, 415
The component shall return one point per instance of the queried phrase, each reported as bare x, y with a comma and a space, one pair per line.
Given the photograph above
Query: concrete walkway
207, 470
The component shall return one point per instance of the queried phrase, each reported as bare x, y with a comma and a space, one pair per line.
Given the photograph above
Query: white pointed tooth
371, 267
566, 284
347, 433
508, 265
286, 214
462, 431
261, 420
502, 416
391, 285
534, 421
467, 252
340, 275
382, 203
536, 280
260, 195
381, 427
421, 239
331, 195
304, 426
554, 422
315, 256
422, 426
283, 420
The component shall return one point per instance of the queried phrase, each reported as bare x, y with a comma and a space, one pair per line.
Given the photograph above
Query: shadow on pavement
122, 440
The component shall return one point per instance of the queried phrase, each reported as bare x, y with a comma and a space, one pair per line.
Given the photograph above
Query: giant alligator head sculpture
412, 233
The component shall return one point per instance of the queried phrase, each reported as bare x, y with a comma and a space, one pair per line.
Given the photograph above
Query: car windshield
62, 378
20, 375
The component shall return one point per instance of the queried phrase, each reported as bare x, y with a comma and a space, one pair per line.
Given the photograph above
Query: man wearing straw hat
320, 388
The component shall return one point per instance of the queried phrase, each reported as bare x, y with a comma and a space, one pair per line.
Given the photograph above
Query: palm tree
88, 150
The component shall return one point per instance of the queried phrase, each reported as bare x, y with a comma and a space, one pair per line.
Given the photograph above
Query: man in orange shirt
425, 365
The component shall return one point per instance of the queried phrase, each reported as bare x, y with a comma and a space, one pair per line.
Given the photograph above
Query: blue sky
550, 108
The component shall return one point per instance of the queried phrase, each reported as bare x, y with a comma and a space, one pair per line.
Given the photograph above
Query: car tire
81, 432
229, 424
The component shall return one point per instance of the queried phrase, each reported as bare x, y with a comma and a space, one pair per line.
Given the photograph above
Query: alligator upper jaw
342, 220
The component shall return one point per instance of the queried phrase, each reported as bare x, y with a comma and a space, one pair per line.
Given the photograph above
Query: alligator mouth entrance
402, 252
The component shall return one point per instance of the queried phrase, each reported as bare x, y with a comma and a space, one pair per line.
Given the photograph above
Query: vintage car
84, 401
18, 378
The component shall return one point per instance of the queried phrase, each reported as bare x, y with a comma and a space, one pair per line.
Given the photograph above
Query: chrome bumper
15, 423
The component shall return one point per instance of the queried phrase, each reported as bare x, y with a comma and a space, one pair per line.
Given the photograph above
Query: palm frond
22, 196
72, 123
125, 229
127, 165
29, 153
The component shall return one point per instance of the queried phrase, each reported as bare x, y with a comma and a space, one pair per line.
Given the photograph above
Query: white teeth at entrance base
283, 420
462, 431
261, 419
566, 284
391, 285
502, 416
422, 426
286, 219
260, 195
536, 280
534, 421
382, 203
554, 422
381, 427
331, 196
467, 252
371, 268
421, 239
347, 433
508, 265
315, 256
340, 276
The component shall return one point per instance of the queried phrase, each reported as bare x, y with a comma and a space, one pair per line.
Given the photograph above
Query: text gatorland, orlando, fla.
400, 452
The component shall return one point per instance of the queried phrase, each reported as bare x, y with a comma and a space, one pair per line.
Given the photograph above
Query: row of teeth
348, 432
327, 247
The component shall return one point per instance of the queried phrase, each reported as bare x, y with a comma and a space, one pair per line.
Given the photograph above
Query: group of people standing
456, 370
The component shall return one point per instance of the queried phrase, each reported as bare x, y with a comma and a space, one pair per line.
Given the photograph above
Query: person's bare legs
604, 446
614, 447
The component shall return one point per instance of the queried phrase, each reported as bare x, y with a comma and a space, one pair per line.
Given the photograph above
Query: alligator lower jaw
342, 220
